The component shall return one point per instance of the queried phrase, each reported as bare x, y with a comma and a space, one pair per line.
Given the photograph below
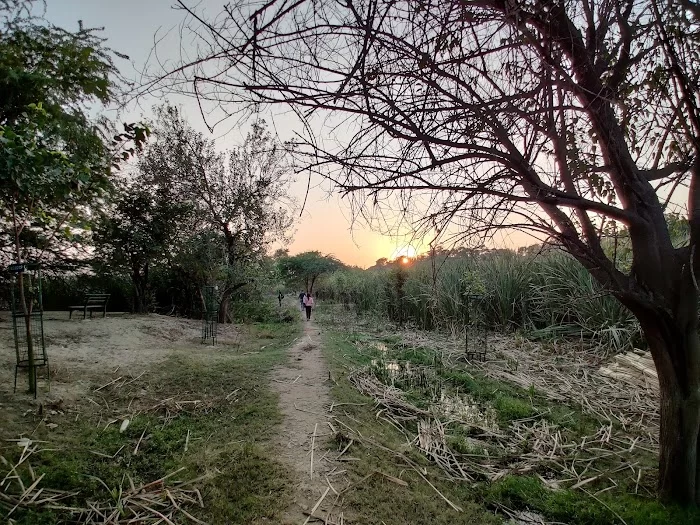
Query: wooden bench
92, 302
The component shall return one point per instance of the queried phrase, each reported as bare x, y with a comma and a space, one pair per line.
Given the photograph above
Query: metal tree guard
210, 316
475, 334
28, 323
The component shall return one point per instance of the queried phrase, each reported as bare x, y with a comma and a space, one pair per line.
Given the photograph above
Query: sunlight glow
405, 260
405, 252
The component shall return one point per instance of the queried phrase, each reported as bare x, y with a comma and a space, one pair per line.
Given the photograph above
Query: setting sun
404, 253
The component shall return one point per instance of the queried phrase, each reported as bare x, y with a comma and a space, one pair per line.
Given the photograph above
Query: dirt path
303, 387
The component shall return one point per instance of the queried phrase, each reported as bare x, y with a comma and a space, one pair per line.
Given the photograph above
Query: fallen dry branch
524, 446
313, 443
634, 368
317, 505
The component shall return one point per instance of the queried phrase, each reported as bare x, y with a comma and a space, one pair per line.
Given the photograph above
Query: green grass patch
229, 433
576, 508
418, 356
510, 408
482, 388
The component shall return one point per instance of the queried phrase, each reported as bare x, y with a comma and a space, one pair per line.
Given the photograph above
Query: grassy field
505, 477
422, 436
206, 414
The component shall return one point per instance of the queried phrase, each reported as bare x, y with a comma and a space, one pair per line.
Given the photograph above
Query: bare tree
561, 118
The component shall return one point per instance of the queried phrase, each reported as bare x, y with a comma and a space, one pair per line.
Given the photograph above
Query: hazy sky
130, 26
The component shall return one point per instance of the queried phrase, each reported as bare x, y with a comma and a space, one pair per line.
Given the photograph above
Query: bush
263, 312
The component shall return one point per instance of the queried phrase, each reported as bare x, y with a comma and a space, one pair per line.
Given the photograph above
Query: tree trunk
676, 354
225, 306
139, 280
225, 302
26, 306
27, 311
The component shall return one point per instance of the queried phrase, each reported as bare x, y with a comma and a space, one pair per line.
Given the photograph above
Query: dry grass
565, 437
153, 502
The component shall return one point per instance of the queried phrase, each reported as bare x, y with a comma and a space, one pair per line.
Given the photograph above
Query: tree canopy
305, 268
56, 158
206, 214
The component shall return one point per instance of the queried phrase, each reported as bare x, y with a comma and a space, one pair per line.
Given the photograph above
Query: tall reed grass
549, 296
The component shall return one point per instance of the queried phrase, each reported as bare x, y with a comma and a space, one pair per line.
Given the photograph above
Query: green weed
576, 508
510, 408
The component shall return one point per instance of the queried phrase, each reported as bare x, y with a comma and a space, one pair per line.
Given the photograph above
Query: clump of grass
341, 440
463, 445
483, 388
579, 508
510, 408
418, 355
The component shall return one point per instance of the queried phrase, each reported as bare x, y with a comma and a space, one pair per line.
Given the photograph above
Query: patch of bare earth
86, 353
306, 436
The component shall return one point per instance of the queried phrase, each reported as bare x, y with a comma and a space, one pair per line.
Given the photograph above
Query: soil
85, 353
304, 389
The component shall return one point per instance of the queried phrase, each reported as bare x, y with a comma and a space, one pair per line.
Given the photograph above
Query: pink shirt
308, 301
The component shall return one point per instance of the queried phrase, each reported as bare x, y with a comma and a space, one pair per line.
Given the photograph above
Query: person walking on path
302, 296
308, 304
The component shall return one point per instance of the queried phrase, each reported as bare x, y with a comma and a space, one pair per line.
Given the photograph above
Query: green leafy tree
142, 227
55, 160
149, 220
241, 193
305, 268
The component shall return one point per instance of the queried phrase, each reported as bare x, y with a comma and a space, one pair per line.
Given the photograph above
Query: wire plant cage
28, 323
210, 315
475, 332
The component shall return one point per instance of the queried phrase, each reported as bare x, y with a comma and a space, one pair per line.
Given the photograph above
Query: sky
326, 223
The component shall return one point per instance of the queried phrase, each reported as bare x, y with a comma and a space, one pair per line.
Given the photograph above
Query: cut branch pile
634, 368
531, 445
154, 502
572, 375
